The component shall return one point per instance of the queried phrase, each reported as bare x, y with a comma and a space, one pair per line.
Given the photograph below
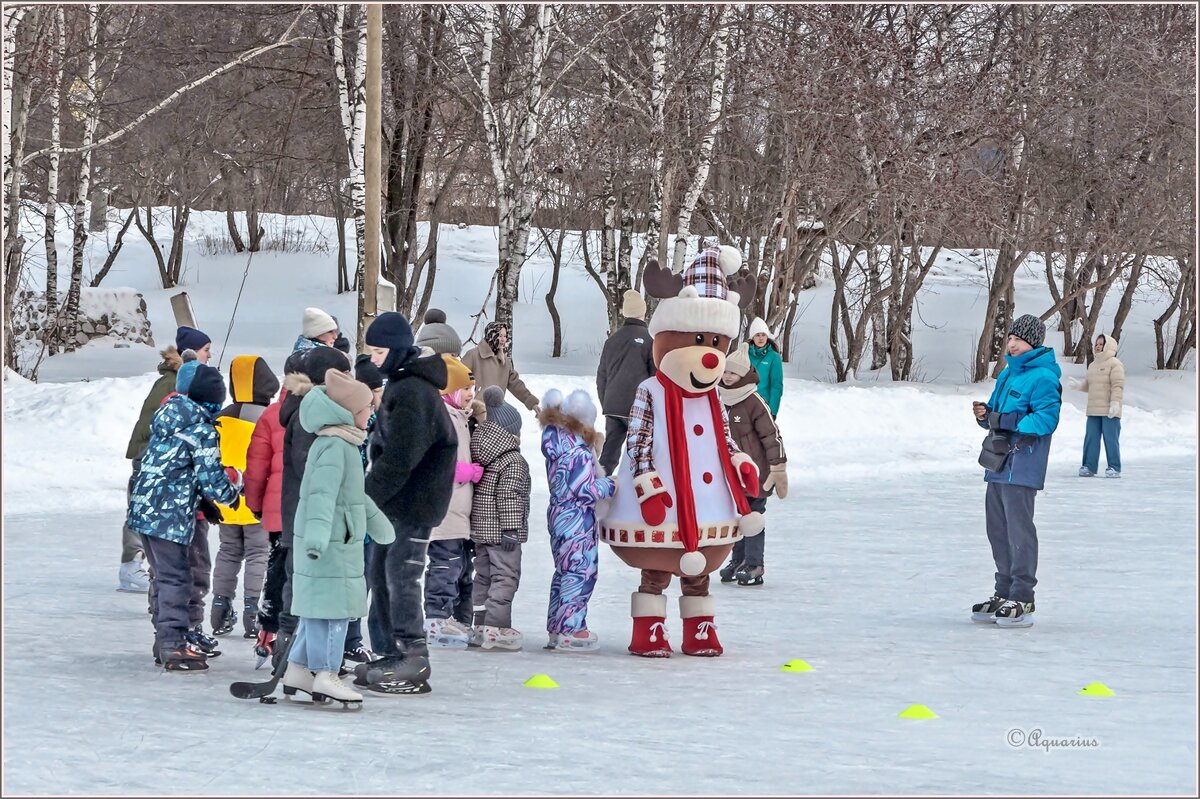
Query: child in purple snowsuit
571, 447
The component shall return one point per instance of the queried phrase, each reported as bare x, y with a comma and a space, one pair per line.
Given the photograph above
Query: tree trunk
1131, 284
704, 156
339, 218
234, 235
116, 248
254, 231
60, 53
147, 232
83, 182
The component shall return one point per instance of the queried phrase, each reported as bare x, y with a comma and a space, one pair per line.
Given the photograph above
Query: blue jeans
1102, 427
318, 644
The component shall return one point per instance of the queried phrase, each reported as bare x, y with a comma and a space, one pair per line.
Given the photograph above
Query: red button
707, 477
698, 430
710, 360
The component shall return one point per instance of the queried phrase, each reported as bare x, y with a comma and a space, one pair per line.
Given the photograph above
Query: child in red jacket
264, 486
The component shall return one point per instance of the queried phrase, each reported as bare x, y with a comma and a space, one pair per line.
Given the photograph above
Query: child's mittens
209, 510
777, 479
467, 472
747, 473
510, 540
235, 477
1114, 409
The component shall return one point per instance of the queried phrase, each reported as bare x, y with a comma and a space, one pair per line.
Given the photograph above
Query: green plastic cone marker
917, 712
1096, 689
795, 665
540, 681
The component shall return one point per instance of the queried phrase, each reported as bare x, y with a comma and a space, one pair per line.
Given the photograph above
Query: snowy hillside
873, 562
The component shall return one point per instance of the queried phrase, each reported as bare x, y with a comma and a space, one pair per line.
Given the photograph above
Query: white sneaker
503, 638
297, 678
1086, 472
133, 578
582, 641
1111, 472
327, 684
446, 633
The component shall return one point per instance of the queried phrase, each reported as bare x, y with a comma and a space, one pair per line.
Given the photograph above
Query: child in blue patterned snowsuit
571, 447
181, 469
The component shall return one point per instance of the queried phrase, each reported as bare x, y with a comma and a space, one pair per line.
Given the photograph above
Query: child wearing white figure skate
572, 446
499, 521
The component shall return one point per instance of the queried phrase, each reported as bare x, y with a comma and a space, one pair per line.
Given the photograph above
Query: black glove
510, 540
342, 343
210, 511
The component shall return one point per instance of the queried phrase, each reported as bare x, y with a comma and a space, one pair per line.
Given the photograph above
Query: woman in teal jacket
333, 518
764, 357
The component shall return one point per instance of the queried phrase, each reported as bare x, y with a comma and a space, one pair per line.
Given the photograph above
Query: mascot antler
746, 286
659, 282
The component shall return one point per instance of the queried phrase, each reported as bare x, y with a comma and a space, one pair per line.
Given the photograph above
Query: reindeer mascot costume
681, 504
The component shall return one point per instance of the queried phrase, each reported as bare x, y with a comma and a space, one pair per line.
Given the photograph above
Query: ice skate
504, 639
446, 634
221, 616
1015, 614
582, 641
133, 577
328, 686
985, 612
750, 575
297, 678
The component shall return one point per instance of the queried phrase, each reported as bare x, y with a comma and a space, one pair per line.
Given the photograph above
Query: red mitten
654, 509
235, 477
748, 474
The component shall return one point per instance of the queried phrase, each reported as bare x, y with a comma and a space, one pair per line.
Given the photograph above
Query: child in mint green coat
333, 518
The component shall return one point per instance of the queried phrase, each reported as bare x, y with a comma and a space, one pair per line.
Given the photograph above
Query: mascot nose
710, 360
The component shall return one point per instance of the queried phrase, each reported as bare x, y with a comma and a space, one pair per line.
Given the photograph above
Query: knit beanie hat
320, 360
295, 363
346, 391
391, 331
1029, 328
738, 361
189, 338
207, 386
367, 373
759, 326
317, 322
457, 374
501, 412
437, 335
633, 306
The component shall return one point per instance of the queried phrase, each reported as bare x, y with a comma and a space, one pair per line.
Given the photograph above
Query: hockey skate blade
983, 618
400, 688
1015, 624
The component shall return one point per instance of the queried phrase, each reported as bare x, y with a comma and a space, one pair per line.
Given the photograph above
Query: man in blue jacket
1024, 411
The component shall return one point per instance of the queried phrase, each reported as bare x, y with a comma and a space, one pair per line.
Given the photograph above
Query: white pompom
752, 524
693, 564
579, 405
730, 259
552, 398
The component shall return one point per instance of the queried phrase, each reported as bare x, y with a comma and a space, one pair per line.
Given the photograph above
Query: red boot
699, 632
650, 626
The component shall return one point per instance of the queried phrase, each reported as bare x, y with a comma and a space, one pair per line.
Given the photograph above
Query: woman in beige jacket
1105, 387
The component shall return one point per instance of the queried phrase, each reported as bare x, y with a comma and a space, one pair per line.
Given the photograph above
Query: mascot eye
716, 340
699, 339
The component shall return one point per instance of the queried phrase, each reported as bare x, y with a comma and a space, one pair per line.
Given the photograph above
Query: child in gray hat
499, 521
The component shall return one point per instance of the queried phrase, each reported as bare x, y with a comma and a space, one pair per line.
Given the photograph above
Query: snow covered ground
872, 564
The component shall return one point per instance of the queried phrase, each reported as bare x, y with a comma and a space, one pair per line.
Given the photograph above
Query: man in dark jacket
412, 452
296, 443
627, 360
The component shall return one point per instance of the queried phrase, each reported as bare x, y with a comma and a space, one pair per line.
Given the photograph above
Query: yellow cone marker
796, 665
917, 712
1096, 689
540, 681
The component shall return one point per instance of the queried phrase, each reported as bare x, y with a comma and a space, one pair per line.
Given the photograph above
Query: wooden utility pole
368, 292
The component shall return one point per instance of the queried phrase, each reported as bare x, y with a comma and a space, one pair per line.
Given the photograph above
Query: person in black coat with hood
412, 454
626, 360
